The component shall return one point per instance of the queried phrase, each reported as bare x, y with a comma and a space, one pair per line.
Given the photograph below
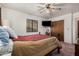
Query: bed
39, 45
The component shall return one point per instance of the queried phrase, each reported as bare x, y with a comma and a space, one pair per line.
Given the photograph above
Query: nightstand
76, 49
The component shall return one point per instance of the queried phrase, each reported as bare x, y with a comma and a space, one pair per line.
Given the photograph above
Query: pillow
11, 33
4, 36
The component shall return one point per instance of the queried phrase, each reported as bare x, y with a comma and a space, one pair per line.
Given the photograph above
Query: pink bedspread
31, 37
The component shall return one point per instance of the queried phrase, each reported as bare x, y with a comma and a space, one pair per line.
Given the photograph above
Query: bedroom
16, 16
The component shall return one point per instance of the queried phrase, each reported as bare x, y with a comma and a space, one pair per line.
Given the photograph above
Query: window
32, 25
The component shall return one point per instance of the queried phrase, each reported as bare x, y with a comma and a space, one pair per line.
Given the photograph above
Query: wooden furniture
57, 29
76, 49
77, 44
50, 53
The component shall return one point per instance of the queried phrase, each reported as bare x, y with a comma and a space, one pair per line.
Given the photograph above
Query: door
57, 29
78, 29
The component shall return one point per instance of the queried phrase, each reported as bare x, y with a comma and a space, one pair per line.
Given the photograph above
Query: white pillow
11, 32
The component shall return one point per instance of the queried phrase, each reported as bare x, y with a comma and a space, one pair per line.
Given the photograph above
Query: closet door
0, 17
57, 29
78, 29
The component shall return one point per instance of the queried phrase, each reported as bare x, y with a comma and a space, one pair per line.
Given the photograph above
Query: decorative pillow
4, 36
11, 33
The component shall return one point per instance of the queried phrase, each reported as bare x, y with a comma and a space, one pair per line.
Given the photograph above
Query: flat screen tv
46, 23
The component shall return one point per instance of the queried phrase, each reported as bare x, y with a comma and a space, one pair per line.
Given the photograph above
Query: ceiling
31, 8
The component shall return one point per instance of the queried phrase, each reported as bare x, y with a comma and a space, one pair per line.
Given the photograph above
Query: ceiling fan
50, 7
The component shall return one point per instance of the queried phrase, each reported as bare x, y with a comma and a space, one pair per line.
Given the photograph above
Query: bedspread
35, 48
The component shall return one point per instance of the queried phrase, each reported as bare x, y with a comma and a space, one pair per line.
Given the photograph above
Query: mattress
35, 48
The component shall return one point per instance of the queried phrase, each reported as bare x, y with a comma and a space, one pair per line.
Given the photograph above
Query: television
46, 23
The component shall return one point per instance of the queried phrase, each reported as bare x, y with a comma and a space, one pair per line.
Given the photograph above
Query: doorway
57, 29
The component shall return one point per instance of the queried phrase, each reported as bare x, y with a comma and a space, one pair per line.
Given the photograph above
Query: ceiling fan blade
58, 4
41, 6
53, 10
56, 8
41, 9
42, 3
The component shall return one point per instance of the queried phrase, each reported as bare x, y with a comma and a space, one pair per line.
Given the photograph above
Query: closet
57, 29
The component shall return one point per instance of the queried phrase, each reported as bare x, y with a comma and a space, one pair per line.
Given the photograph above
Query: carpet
67, 50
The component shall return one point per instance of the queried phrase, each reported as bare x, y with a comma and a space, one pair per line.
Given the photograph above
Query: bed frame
50, 53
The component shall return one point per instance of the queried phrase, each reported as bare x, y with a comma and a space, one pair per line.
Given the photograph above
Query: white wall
67, 26
18, 19
70, 26
75, 28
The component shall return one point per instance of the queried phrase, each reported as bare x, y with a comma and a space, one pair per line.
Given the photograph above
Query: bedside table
76, 49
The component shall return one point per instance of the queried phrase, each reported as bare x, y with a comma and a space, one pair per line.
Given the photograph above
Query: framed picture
32, 25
